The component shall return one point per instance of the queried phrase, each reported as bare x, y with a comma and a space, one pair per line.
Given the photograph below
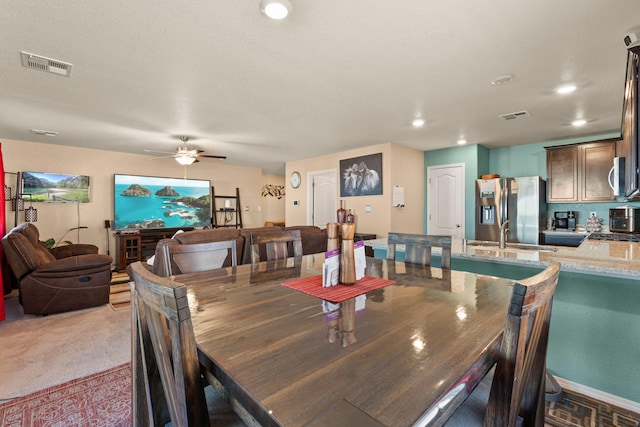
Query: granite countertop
601, 257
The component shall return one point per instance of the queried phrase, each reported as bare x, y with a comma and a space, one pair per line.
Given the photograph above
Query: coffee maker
564, 220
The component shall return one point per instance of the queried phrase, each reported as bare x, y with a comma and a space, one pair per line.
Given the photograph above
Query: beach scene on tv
154, 202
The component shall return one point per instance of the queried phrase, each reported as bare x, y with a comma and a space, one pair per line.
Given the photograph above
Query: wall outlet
593, 214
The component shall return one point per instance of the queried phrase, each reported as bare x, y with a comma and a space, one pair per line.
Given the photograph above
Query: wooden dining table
406, 354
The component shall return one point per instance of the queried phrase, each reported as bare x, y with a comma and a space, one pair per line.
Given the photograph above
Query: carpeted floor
41, 352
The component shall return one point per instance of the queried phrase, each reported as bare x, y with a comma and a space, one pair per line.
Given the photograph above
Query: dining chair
194, 257
275, 245
167, 380
418, 248
514, 393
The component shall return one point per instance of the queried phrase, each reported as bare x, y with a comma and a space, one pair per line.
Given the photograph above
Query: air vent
44, 132
517, 115
48, 65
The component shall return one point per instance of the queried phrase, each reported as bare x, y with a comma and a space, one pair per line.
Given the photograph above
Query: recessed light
507, 78
566, 89
462, 141
417, 123
275, 9
579, 122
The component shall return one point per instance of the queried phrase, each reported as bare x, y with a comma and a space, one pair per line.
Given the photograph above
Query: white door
323, 193
445, 200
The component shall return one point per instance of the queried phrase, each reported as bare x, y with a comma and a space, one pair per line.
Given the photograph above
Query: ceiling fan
185, 155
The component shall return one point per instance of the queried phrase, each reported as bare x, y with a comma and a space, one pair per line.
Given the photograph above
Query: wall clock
295, 179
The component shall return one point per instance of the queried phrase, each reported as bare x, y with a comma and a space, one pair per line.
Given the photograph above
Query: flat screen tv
149, 202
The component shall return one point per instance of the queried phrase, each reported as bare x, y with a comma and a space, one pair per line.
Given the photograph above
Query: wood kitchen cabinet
580, 172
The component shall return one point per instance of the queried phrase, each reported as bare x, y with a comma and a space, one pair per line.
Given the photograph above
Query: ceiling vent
48, 65
517, 115
44, 132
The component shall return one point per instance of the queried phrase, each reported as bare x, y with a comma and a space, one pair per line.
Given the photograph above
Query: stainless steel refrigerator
520, 200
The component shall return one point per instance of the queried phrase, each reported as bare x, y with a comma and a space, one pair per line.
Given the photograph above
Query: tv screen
154, 202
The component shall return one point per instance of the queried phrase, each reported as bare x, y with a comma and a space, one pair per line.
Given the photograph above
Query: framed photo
55, 187
361, 176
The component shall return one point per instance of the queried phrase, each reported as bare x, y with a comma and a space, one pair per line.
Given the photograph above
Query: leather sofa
61, 279
314, 240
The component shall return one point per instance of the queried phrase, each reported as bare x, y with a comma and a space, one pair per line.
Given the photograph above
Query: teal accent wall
519, 160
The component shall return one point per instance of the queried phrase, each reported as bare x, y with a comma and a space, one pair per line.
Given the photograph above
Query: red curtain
3, 206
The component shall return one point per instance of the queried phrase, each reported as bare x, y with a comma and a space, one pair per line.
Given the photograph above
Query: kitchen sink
522, 246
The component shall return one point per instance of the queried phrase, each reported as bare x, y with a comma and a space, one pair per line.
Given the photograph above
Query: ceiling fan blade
160, 152
211, 156
163, 157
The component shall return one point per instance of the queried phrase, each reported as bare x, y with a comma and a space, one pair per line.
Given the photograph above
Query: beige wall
54, 219
400, 166
272, 207
408, 171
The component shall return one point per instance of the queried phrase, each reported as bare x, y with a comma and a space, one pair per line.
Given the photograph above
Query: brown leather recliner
61, 279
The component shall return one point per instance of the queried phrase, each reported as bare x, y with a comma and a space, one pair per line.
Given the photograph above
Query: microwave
625, 219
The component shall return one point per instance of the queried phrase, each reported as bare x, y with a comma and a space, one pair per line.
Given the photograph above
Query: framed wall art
361, 176
55, 187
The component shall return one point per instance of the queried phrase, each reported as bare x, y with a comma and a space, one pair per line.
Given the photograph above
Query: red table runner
338, 293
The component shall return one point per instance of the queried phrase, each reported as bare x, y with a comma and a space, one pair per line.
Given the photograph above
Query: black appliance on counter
564, 220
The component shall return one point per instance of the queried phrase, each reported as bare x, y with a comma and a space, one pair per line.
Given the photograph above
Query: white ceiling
334, 75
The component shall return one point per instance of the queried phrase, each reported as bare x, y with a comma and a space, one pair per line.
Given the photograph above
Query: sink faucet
503, 235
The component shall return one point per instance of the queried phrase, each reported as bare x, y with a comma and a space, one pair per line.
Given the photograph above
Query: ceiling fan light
185, 161
275, 9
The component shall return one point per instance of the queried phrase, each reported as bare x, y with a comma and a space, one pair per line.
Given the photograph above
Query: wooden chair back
167, 385
418, 248
194, 257
276, 245
518, 382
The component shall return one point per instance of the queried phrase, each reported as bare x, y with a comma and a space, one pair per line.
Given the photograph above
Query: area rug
44, 351
101, 399
577, 410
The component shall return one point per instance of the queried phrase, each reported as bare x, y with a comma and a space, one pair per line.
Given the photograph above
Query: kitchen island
594, 340
599, 257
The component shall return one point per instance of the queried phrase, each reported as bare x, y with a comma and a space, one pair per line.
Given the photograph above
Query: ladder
227, 211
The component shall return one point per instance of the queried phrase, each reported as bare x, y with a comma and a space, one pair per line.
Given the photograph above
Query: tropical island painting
142, 202
55, 187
